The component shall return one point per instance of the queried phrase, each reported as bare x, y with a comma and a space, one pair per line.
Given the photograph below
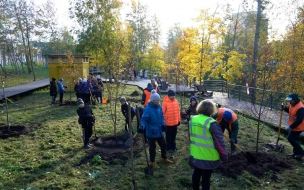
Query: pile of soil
68, 103
266, 163
135, 93
111, 149
14, 131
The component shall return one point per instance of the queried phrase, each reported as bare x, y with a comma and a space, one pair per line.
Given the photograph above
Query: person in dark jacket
192, 107
153, 122
85, 90
53, 90
207, 146
191, 110
228, 120
61, 88
87, 120
98, 92
77, 88
295, 124
124, 111
146, 94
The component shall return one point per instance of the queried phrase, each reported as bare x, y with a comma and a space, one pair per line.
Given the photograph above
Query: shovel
128, 141
280, 124
275, 145
149, 169
248, 155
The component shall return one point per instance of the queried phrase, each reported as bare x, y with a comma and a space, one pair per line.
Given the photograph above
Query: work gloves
164, 128
282, 106
288, 128
140, 130
178, 124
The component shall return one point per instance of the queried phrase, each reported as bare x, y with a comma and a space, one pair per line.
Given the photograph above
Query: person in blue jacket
85, 90
153, 122
61, 89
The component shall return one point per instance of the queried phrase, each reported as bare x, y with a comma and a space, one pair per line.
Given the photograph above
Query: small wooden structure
58, 64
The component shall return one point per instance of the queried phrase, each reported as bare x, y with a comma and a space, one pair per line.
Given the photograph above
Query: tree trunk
255, 50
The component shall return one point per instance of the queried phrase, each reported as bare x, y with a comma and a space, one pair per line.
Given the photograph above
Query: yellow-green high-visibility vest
201, 142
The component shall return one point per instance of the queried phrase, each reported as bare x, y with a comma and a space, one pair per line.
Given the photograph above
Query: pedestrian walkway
142, 83
270, 116
23, 88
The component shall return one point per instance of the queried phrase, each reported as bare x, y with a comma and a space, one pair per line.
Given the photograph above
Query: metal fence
271, 99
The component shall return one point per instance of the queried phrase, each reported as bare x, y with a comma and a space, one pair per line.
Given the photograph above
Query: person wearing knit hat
191, 110
154, 97
124, 111
171, 111
146, 94
53, 90
295, 124
86, 119
228, 120
153, 125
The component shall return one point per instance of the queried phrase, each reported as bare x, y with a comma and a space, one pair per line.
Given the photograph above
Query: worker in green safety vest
207, 146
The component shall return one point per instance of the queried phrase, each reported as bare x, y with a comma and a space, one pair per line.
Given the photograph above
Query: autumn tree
104, 36
141, 33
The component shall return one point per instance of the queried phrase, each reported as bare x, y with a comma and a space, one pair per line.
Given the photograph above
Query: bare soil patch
13, 131
266, 163
112, 150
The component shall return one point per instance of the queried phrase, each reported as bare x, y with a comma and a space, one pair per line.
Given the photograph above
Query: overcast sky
170, 12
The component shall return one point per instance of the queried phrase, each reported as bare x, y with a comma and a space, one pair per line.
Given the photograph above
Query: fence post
240, 93
222, 86
271, 100
227, 88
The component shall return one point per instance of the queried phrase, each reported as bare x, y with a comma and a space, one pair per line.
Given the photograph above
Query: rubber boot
233, 153
167, 161
154, 165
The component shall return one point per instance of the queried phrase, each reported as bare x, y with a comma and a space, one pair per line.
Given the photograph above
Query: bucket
104, 100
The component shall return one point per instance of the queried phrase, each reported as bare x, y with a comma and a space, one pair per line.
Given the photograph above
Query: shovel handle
280, 123
237, 146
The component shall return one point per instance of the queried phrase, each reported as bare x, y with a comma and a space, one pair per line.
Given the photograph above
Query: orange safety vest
148, 95
220, 116
293, 115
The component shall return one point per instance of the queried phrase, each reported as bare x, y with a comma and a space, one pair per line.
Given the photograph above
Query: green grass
14, 79
47, 157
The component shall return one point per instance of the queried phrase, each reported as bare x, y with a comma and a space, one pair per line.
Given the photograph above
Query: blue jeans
294, 139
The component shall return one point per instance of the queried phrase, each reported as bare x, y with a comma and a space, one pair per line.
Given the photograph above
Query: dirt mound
135, 93
68, 103
15, 131
266, 163
112, 150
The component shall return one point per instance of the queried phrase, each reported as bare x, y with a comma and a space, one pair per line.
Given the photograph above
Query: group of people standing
143, 73
206, 127
53, 90
90, 87
86, 88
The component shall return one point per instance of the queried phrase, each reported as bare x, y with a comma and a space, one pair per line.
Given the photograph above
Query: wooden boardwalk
23, 88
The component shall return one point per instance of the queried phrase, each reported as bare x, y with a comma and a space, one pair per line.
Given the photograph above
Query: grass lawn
47, 157
14, 79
